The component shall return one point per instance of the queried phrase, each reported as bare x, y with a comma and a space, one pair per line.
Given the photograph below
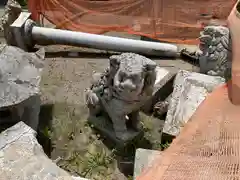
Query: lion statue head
133, 76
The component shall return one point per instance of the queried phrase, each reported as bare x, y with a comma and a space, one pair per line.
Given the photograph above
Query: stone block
22, 158
20, 76
190, 89
17, 28
105, 127
144, 159
162, 88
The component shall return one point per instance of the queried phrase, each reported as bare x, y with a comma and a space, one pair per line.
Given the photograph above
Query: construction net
178, 21
207, 148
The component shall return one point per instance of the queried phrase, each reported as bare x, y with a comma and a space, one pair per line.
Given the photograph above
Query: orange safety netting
209, 145
207, 148
178, 21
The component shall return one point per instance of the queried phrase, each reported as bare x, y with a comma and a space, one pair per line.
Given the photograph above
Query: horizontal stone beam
26, 31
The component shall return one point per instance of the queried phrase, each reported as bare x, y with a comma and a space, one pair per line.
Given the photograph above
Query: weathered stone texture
144, 159
20, 76
122, 90
215, 51
22, 158
190, 89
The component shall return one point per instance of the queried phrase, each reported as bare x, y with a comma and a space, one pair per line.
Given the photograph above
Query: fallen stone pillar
28, 34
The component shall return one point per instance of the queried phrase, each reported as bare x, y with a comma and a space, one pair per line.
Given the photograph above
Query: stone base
144, 158
104, 126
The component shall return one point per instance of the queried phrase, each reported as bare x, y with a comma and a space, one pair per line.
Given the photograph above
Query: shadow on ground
75, 54
125, 155
150, 138
45, 128
103, 55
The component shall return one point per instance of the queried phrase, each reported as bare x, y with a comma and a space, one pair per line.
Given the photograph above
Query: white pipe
49, 36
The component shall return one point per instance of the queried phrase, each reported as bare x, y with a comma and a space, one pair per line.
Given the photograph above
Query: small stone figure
161, 107
121, 90
215, 51
214, 57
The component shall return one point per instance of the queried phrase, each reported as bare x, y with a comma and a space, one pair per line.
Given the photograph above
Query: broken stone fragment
144, 159
20, 76
122, 90
22, 158
190, 89
105, 126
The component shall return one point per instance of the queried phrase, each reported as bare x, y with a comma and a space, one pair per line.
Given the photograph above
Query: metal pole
48, 36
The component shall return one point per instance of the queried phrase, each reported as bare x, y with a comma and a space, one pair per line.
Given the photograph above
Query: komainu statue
121, 90
215, 51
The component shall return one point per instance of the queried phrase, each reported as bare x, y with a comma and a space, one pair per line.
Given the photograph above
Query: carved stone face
130, 75
129, 84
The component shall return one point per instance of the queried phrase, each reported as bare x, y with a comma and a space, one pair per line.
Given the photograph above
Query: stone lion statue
214, 57
121, 90
215, 51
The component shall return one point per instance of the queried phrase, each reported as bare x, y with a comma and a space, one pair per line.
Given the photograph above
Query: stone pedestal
20, 77
104, 126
